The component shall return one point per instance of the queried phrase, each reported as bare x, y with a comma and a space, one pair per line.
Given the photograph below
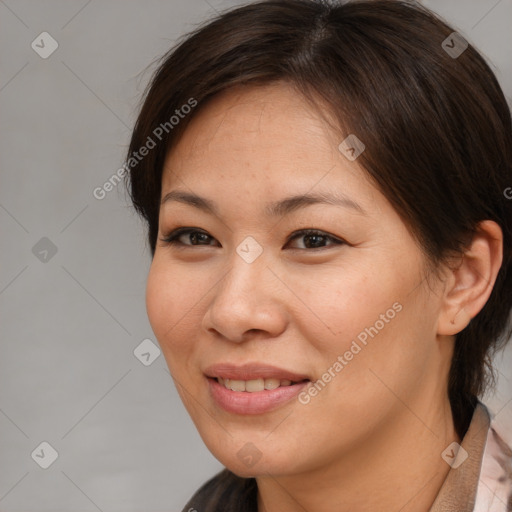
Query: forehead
262, 129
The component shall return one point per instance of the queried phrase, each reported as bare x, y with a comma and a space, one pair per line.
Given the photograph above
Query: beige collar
458, 492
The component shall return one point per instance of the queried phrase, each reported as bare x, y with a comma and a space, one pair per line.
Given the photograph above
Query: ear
470, 283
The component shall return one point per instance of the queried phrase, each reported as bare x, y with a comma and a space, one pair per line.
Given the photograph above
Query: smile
254, 385
252, 388
251, 397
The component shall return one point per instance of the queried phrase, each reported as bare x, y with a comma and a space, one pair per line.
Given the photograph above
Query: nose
248, 302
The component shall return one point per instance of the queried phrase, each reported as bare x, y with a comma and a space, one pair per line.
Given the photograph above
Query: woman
324, 190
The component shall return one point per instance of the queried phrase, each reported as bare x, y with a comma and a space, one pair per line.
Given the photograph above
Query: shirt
479, 480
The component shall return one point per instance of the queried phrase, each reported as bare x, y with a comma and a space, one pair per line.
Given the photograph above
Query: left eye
314, 239
311, 238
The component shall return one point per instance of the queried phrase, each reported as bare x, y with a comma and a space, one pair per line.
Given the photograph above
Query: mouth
253, 388
256, 385
253, 371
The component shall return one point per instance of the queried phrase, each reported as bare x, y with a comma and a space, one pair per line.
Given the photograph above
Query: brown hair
436, 127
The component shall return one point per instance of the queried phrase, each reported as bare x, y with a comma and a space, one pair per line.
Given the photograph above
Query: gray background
70, 324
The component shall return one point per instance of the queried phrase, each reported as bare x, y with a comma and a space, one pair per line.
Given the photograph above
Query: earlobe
462, 318
470, 284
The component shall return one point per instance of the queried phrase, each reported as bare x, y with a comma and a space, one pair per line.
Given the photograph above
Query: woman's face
246, 296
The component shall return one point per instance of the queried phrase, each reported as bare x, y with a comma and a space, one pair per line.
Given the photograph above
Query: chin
250, 462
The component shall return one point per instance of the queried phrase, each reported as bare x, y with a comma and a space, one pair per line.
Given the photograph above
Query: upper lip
252, 371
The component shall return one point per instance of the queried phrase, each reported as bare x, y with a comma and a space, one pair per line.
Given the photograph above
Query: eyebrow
275, 209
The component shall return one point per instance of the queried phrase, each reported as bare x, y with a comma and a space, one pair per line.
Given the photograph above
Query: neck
400, 468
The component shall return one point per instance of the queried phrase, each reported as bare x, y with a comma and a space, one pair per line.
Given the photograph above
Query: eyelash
172, 237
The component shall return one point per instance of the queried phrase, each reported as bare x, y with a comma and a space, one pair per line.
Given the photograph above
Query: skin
382, 423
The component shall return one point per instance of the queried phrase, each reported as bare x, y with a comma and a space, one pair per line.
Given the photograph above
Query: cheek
172, 302
374, 316
338, 304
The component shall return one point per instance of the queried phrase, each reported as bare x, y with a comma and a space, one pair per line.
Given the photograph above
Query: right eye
187, 237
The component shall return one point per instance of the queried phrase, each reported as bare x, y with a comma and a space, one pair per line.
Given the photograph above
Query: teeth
252, 386
272, 383
237, 385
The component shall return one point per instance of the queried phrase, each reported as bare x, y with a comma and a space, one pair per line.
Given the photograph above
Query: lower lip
258, 402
